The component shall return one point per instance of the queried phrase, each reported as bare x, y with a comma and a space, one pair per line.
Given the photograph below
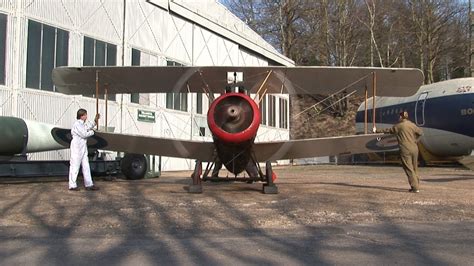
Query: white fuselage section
444, 111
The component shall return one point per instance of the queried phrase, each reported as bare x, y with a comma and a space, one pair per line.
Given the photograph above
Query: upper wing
142, 144
291, 80
307, 148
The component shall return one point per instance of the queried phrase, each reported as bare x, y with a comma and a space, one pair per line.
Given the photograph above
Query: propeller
233, 114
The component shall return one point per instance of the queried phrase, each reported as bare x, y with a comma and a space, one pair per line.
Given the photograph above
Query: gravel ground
360, 211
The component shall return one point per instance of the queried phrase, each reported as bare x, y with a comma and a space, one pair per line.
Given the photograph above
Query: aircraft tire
133, 166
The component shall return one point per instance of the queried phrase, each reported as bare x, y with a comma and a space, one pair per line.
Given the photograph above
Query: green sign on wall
146, 116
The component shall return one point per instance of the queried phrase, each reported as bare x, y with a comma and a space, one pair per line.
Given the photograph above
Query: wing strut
374, 87
97, 95
261, 86
335, 93
106, 96
366, 110
207, 91
374, 93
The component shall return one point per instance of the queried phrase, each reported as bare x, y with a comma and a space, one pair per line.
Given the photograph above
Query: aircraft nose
233, 118
233, 113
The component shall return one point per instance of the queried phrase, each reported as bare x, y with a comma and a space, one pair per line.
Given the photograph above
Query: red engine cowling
234, 118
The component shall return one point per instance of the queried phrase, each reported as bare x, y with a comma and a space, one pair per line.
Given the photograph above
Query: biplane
234, 116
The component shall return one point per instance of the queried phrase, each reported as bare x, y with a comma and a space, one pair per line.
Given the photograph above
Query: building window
47, 48
140, 58
271, 110
199, 103
3, 46
283, 113
202, 131
176, 101
172, 63
263, 110
99, 53
135, 97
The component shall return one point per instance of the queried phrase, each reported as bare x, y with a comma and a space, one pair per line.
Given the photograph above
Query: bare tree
427, 34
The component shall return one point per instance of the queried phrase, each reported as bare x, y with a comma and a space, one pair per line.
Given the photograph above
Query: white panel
6, 101
266, 133
50, 155
144, 22
261, 62
52, 11
176, 125
228, 53
76, 46
205, 47
101, 19
16, 55
215, 17
10, 64
39, 105
173, 164
8, 5
247, 59
160, 3
178, 39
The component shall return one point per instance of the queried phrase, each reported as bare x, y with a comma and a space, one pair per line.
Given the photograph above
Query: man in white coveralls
80, 131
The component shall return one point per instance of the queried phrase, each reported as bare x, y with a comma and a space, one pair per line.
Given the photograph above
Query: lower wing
160, 146
204, 151
306, 148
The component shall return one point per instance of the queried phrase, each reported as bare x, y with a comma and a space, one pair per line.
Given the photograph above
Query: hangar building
38, 35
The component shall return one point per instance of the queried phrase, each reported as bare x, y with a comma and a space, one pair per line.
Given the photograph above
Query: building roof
215, 17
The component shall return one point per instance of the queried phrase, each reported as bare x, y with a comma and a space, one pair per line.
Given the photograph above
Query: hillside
316, 124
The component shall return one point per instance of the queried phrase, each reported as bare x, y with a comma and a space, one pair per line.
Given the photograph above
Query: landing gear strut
253, 169
196, 186
269, 187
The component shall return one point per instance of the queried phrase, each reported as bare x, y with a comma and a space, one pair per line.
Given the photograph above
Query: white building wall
159, 34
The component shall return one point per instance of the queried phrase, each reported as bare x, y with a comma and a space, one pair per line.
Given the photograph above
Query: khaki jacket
407, 135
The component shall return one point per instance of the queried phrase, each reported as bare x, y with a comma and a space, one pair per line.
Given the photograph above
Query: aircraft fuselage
444, 110
234, 119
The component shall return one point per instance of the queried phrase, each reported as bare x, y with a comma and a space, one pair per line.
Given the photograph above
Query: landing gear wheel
269, 187
133, 166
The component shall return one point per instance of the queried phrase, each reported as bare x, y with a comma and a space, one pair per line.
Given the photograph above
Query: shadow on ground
149, 222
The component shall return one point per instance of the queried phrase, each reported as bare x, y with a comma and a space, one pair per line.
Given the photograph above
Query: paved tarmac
323, 215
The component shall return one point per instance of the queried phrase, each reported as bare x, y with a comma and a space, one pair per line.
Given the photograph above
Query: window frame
37, 56
109, 48
3, 48
176, 100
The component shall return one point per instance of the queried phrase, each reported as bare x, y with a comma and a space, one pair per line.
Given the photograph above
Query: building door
420, 109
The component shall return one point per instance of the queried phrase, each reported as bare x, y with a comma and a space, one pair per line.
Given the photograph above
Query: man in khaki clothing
407, 135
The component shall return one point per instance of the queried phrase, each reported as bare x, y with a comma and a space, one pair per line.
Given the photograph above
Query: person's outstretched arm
390, 130
81, 131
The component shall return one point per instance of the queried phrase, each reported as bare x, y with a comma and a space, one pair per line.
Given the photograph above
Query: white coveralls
80, 131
